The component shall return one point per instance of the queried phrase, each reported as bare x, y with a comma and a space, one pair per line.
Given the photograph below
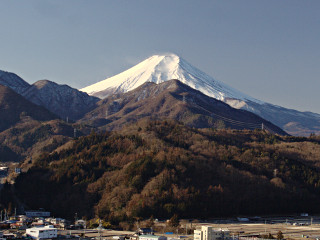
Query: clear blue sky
268, 49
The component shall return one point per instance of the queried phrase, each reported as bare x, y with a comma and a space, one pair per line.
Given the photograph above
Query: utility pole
262, 126
75, 133
75, 218
100, 226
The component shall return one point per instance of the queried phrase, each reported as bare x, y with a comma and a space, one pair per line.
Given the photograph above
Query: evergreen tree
174, 221
279, 235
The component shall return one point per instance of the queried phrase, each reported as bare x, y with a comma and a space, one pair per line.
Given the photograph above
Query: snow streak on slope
161, 68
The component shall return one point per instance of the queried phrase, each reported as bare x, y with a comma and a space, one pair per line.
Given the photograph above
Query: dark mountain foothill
162, 168
14, 108
29, 139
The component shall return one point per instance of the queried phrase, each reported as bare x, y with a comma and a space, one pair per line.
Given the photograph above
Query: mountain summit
13, 81
62, 100
161, 68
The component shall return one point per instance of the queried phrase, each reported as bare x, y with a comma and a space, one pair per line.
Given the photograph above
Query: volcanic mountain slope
14, 108
161, 68
173, 100
61, 99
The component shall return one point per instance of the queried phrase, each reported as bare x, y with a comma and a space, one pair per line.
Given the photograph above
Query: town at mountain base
167, 142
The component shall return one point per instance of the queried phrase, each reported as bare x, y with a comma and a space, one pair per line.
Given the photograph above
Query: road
90, 233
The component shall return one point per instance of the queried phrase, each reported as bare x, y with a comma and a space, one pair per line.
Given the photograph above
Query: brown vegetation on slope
162, 168
30, 138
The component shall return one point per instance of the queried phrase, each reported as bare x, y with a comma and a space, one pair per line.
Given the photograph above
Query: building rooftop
49, 227
150, 236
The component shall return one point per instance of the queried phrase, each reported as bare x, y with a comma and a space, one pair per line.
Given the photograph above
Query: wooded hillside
161, 168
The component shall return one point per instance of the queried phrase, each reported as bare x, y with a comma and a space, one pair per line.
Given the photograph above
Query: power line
253, 125
238, 123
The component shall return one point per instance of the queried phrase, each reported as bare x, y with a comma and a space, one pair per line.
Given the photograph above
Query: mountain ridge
160, 68
14, 108
63, 100
161, 168
13, 81
172, 100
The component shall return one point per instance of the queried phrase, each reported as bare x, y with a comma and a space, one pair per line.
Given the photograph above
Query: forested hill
161, 168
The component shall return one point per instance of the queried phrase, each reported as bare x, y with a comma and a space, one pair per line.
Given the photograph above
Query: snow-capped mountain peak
161, 68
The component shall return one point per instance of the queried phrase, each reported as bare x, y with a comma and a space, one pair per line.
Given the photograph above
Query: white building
208, 233
56, 221
42, 232
152, 237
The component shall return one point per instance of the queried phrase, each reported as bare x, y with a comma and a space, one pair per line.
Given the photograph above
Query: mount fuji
161, 68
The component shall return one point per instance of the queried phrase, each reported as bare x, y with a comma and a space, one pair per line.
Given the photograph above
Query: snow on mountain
13, 81
161, 68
